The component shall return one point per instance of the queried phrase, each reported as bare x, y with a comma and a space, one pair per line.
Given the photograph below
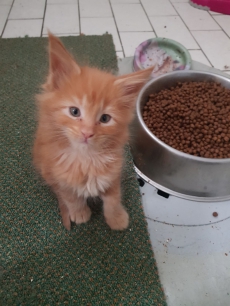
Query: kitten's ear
130, 84
61, 63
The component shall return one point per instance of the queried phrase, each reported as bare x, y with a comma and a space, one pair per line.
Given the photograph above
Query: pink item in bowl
165, 55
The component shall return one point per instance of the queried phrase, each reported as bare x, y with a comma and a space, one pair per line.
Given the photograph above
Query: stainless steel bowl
172, 171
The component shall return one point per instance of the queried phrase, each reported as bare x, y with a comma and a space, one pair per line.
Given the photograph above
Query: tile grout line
220, 30
137, 32
46, 35
148, 18
218, 23
7, 18
79, 16
191, 34
174, 15
111, 7
26, 19
128, 4
97, 17
201, 52
43, 18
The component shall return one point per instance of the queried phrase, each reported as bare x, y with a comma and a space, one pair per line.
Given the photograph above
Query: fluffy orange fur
84, 115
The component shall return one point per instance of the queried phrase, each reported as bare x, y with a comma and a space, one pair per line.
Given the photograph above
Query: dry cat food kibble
192, 117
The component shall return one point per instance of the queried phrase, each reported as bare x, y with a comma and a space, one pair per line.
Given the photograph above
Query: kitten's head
89, 107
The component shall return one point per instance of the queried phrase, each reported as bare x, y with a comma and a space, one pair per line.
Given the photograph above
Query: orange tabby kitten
84, 114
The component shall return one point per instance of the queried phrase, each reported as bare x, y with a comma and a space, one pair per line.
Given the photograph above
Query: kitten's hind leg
64, 215
73, 208
115, 214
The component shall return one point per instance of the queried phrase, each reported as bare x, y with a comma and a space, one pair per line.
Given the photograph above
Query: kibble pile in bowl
192, 117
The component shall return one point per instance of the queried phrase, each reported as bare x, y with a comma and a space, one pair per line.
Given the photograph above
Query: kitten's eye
105, 118
74, 111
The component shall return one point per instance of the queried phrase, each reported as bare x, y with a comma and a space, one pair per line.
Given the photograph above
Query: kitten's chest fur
88, 173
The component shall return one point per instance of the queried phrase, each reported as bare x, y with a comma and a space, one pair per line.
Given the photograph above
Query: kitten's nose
87, 134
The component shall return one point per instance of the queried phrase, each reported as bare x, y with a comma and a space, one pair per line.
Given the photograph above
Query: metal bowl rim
160, 142
179, 194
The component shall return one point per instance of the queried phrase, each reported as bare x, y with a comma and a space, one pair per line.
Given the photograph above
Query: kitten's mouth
85, 141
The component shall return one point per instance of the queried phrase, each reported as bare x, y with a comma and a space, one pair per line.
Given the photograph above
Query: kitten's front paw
118, 220
81, 215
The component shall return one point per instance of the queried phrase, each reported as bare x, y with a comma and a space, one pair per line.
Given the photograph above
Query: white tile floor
189, 279
206, 34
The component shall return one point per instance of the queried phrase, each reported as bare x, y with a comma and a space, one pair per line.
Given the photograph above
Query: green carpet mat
42, 263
